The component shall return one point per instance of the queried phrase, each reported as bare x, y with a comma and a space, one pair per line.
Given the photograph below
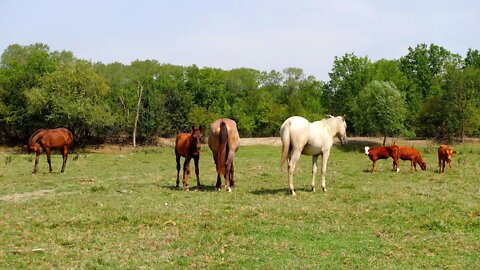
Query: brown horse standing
224, 142
188, 145
48, 139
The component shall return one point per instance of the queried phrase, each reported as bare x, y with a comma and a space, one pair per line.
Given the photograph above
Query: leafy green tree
455, 112
472, 58
73, 96
349, 75
22, 68
379, 109
424, 66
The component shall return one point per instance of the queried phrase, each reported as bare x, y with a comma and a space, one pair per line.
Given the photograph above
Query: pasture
119, 208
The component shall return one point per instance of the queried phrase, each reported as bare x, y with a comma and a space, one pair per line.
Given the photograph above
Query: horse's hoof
229, 189
324, 189
313, 189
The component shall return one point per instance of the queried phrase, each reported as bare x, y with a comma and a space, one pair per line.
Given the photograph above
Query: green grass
120, 209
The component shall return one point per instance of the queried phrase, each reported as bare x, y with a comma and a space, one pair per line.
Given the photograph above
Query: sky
259, 34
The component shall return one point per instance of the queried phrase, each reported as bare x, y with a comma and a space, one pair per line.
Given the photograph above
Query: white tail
285, 136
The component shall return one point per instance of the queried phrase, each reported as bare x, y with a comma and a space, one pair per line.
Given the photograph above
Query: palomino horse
48, 139
312, 139
224, 142
188, 145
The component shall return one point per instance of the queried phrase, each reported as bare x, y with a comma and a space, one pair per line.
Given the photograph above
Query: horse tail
285, 136
222, 151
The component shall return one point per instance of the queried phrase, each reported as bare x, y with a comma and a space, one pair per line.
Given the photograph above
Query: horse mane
33, 138
332, 123
222, 151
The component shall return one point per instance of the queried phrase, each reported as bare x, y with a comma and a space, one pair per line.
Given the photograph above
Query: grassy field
118, 208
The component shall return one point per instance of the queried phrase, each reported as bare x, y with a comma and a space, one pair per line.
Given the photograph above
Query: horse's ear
344, 117
193, 128
200, 128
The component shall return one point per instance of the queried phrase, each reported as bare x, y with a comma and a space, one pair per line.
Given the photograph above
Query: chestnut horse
188, 145
224, 142
299, 136
48, 139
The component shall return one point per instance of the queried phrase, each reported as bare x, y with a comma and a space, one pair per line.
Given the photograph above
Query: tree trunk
384, 139
139, 94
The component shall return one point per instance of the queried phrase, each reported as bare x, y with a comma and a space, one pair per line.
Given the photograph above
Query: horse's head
342, 132
33, 148
197, 138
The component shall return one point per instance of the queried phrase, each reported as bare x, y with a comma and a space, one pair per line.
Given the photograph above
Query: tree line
429, 92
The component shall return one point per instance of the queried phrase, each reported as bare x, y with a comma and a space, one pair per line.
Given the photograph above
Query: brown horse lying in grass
188, 145
48, 139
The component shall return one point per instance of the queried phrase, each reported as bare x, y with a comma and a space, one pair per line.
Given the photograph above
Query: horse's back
58, 137
233, 136
296, 129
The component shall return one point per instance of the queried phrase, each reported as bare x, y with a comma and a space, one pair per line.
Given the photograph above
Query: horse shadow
279, 190
204, 188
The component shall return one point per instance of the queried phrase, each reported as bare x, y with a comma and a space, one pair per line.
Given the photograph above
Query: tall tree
349, 75
424, 66
22, 68
73, 96
472, 58
379, 109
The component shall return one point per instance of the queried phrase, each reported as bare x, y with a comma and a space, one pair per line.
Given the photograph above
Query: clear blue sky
258, 34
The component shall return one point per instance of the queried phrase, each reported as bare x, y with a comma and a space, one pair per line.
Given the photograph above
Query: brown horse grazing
224, 142
48, 139
188, 145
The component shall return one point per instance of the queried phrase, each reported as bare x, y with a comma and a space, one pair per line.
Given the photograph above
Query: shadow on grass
280, 190
356, 145
194, 188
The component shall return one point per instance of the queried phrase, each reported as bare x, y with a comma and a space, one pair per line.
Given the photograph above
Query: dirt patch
27, 195
264, 141
275, 141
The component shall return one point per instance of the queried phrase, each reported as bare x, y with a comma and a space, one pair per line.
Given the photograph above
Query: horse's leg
218, 185
65, 156
232, 173
48, 151
186, 173
295, 156
314, 170
197, 170
178, 170
326, 154
37, 157
228, 171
